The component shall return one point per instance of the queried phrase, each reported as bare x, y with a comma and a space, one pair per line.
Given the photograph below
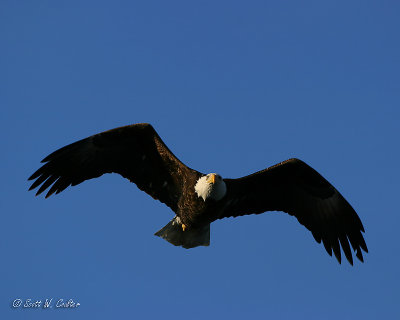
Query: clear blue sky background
232, 87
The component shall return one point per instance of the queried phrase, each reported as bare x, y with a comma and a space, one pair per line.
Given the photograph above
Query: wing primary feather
327, 245
56, 186
40, 171
52, 189
336, 248
39, 181
62, 185
346, 248
46, 184
34, 175
316, 236
359, 255
352, 239
361, 241
70, 147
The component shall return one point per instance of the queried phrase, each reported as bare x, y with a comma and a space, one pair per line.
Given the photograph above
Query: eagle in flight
137, 153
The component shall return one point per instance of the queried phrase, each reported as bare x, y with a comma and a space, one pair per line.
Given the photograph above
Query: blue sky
232, 87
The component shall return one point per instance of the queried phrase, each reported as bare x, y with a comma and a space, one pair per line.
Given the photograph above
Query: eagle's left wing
294, 187
136, 152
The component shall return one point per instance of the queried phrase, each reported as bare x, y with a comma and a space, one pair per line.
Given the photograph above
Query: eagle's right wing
294, 187
136, 152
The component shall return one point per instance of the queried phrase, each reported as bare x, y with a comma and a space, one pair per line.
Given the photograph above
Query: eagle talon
183, 227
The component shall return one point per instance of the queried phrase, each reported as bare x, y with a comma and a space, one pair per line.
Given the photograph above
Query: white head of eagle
211, 186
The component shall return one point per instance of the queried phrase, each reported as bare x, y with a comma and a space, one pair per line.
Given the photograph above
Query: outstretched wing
136, 152
294, 187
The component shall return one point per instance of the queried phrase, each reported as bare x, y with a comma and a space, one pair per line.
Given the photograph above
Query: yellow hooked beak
183, 227
211, 178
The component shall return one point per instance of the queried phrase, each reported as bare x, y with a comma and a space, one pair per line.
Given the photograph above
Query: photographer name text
49, 303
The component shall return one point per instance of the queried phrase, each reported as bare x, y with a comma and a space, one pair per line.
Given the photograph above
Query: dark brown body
195, 212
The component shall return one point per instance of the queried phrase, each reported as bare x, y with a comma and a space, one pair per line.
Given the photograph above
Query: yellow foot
183, 227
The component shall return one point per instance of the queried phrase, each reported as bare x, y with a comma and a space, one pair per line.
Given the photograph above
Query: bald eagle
137, 153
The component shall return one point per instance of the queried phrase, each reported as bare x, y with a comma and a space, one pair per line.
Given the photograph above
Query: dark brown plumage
294, 187
137, 153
